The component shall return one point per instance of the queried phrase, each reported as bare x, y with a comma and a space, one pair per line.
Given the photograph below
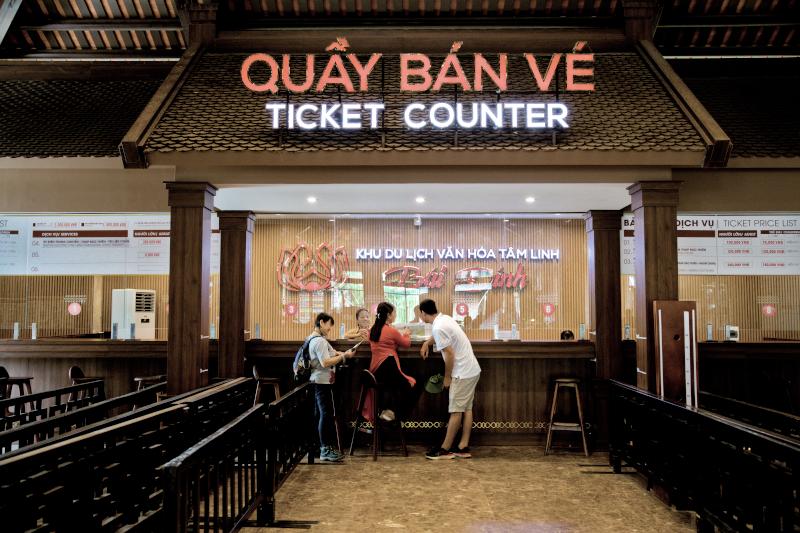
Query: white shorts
462, 393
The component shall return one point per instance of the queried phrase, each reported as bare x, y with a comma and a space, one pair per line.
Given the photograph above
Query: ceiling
124, 29
439, 198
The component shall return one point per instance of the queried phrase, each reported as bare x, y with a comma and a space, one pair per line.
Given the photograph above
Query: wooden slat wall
562, 283
735, 300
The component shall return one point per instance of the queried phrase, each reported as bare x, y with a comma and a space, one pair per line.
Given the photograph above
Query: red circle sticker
462, 309
548, 309
769, 309
74, 309
290, 309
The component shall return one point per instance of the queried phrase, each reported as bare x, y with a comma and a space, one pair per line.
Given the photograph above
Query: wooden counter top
482, 349
104, 348
86, 349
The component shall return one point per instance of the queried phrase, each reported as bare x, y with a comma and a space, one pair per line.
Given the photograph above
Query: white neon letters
440, 115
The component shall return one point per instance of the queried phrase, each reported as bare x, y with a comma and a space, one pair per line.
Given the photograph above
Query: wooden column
602, 232
236, 230
655, 214
190, 204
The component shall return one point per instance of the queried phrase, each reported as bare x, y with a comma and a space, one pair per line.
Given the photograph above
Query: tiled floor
502, 489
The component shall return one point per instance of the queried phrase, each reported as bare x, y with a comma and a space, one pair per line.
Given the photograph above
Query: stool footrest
565, 426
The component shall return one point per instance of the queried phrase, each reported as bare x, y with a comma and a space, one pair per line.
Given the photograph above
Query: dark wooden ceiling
112, 29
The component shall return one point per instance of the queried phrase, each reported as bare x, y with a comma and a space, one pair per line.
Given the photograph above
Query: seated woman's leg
401, 397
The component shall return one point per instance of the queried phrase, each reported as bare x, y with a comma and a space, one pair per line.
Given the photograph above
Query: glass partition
511, 276
84, 275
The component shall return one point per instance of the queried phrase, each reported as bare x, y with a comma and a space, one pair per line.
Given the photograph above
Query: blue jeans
323, 394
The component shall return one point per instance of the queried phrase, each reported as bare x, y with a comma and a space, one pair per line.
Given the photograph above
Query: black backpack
302, 361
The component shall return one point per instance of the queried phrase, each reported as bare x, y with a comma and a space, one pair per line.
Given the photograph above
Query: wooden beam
132, 146
718, 143
8, 10
107, 25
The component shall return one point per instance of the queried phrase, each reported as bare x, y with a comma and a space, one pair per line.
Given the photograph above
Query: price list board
761, 245
728, 245
13, 245
697, 245
90, 244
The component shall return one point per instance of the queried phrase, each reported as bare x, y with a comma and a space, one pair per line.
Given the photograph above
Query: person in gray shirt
324, 359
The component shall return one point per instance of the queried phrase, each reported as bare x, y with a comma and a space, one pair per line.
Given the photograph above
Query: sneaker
439, 453
329, 454
461, 453
387, 415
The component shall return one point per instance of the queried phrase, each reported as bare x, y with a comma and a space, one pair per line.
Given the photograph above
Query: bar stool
23, 386
147, 381
370, 383
261, 382
566, 383
77, 376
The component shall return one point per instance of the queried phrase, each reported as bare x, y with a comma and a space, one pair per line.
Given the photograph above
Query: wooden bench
32, 407
60, 424
108, 478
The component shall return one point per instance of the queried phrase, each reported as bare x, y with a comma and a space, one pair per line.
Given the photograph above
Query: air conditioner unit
133, 306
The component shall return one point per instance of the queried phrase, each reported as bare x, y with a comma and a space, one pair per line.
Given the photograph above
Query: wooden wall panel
562, 283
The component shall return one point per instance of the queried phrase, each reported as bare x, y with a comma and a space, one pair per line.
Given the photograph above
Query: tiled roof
629, 111
762, 117
68, 118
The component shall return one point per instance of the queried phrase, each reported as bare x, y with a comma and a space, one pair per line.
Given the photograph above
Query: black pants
397, 393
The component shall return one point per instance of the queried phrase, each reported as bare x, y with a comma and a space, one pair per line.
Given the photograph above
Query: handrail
38, 396
61, 475
291, 431
231, 460
63, 423
786, 424
732, 475
77, 396
107, 422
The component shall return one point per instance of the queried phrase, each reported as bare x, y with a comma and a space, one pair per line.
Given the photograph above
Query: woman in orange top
398, 388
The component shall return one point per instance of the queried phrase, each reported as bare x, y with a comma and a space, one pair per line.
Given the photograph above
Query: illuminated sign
417, 75
422, 254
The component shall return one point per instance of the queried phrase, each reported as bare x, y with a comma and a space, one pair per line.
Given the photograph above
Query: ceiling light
420, 199
530, 199
311, 199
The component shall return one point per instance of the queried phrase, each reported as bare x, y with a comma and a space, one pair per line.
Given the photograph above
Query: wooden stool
368, 382
146, 381
261, 381
23, 386
566, 383
77, 376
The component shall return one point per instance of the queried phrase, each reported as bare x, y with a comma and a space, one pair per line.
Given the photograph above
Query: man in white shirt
461, 375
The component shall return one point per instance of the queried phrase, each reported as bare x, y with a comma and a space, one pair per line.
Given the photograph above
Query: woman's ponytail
384, 310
